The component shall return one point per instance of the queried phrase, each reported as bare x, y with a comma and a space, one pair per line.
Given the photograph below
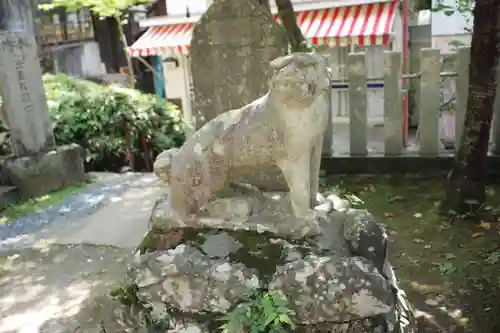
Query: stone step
8, 196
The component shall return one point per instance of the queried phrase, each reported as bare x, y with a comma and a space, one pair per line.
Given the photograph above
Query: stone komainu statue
342, 278
284, 128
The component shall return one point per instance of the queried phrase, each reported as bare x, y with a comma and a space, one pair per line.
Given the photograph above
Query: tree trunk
465, 190
289, 20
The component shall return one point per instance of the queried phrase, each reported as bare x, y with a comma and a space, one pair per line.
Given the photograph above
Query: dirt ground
450, 270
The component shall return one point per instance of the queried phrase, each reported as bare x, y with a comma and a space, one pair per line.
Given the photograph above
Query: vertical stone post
21, 84
393, 111
37, 167
358, 119
430, 95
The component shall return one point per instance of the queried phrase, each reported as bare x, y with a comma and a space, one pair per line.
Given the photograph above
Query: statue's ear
281, 62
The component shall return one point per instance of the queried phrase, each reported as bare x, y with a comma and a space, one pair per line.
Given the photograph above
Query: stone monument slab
23, 94
37, 165
232, 45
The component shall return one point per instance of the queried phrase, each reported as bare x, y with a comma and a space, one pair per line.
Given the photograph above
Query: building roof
298, 5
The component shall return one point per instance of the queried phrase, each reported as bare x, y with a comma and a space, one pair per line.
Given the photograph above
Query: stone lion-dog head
299, 78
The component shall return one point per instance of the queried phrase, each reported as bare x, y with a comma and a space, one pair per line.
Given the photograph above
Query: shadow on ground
56, 276
59, 288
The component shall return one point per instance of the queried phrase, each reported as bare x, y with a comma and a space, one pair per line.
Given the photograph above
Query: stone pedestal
333, 272
38, 175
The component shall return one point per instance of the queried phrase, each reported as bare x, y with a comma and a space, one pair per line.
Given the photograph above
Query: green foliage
104, 8
493, 258
265, 313
92, 115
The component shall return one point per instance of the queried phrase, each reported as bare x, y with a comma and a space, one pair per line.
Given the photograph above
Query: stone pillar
38, 167
21, 84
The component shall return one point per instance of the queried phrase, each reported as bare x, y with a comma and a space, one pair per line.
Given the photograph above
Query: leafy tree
116, 9
466, 181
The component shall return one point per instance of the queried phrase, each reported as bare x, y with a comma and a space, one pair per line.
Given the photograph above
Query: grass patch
450, 269
26, 207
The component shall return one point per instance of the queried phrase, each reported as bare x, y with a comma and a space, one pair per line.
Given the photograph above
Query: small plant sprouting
266, 312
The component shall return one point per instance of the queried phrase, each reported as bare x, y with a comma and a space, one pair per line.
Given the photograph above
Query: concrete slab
122, 223
107, 215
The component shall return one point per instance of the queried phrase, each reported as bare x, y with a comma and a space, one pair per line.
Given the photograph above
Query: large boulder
330, 276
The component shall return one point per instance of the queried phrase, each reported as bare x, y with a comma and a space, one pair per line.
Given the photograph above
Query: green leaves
92, 115
493, 258
103, 8
265, 313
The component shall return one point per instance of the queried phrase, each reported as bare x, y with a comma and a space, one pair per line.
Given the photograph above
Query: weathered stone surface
187, 327
366, 325
232, 45
284, 128
190, 281
365, 236
38, 175
21, 86
162, 164
261, 212
220, 245
323, 289
330, 286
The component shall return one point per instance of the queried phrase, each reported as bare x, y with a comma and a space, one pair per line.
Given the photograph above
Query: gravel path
93, 198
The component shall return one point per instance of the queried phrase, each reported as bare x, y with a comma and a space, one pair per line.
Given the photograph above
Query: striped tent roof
366, 24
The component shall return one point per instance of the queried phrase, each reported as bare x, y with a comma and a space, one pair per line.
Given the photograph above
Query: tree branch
287, 16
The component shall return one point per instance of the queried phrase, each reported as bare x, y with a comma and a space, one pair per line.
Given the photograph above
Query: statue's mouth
297, 89
297, 86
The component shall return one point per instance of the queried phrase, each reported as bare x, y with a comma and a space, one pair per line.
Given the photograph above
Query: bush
92, 115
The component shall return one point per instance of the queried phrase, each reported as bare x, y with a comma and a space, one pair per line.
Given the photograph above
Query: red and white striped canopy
163, 40
366, 24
